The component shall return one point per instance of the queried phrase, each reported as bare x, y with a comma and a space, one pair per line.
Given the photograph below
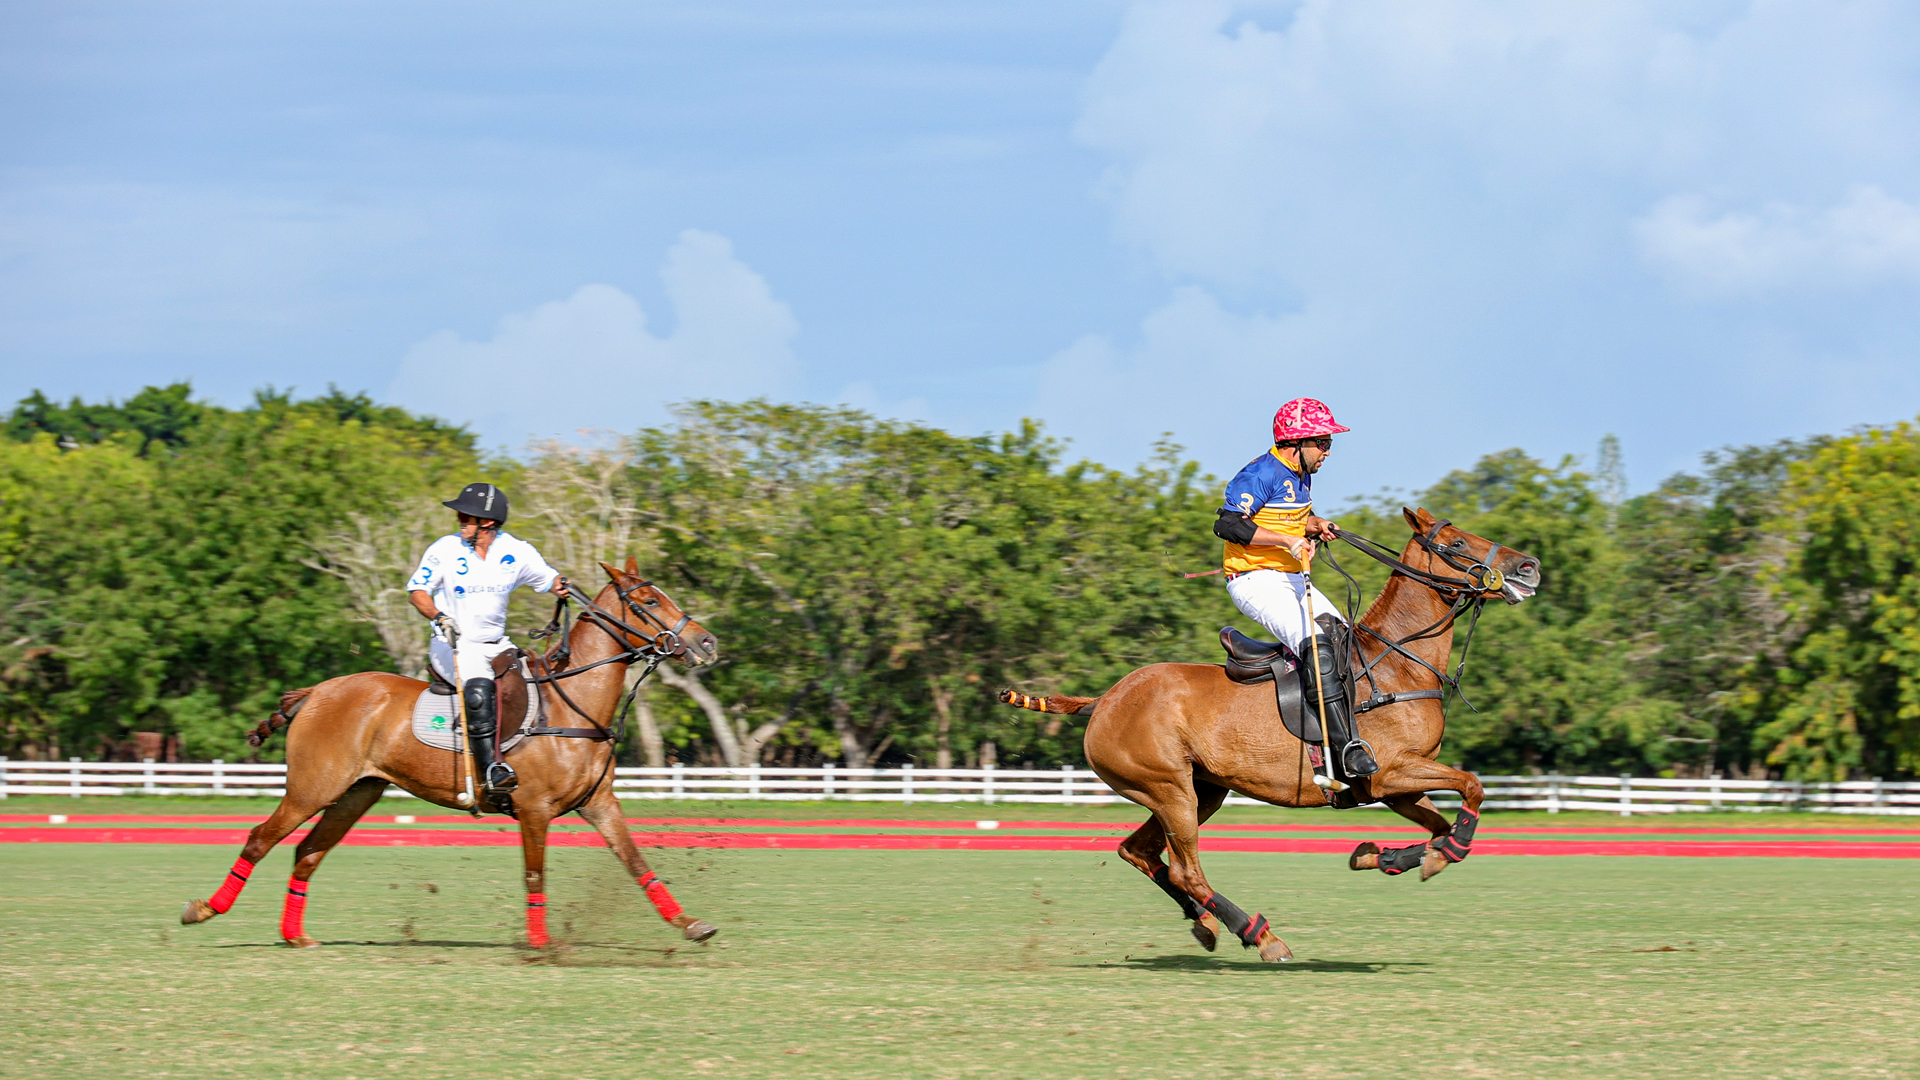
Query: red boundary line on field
848, 842
1783, 831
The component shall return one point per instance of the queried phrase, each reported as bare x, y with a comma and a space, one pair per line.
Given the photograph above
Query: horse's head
1494, 570
661, 623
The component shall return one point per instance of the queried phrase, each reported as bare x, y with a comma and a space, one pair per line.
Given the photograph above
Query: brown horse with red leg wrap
350, 737
1176, 738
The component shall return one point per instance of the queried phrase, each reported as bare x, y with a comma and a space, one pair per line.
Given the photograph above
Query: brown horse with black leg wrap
348, 738
1176, 738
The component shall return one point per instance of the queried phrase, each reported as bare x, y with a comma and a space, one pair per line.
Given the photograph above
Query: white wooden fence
1614, 794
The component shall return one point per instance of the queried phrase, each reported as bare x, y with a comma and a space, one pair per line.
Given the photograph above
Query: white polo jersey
474, 590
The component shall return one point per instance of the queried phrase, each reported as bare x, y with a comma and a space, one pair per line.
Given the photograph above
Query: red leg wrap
230, 889
293, 917
537, 919
663, 901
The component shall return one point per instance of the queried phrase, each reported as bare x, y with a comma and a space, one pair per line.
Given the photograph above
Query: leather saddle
1250, 661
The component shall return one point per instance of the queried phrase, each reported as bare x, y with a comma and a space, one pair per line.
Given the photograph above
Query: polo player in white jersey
470, 574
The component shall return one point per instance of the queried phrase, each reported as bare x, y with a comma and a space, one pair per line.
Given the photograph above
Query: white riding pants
1278, 601
476, 658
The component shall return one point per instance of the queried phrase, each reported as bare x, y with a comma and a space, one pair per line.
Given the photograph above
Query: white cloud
1866, 237
1442, 209
591, 360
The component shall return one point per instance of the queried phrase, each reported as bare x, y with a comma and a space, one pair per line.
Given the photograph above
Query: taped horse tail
1058, 703
290, 703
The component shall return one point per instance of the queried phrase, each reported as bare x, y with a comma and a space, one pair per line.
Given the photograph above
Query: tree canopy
171, 566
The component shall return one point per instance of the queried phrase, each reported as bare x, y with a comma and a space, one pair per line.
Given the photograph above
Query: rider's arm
423, 604
1238, 528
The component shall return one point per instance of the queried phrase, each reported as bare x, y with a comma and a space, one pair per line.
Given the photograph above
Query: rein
1465, 595
657, 646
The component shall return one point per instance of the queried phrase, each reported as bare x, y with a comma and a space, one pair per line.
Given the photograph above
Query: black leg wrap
1231, 917
1399, 860
1458, 844
1163, 877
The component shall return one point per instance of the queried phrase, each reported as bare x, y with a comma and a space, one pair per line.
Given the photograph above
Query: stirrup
501, 777
1356, 759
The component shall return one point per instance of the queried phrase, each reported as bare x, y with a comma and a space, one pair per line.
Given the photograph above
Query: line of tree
170, 566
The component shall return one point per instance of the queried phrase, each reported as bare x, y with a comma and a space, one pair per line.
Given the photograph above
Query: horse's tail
290, 703
1058, 703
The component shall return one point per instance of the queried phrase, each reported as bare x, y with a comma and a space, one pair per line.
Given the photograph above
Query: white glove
444, 629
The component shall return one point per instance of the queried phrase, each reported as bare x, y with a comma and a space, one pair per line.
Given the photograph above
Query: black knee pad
480, 696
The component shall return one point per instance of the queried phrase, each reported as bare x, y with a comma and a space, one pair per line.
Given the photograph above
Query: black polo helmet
481, 501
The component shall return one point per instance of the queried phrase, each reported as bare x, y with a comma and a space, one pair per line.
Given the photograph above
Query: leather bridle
1465, 595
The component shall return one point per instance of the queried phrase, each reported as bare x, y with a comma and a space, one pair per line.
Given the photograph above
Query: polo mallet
1319, 685
464, 796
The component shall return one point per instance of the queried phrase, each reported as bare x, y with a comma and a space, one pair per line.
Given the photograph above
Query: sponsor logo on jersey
506, 560
459, 590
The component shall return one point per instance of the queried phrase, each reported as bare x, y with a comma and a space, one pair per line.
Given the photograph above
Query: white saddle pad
433, 720
433, 717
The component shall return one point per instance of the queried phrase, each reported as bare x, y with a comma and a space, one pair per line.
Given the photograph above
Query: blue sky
1467, 226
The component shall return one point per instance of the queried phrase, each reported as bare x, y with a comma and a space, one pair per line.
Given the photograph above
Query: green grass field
935, 964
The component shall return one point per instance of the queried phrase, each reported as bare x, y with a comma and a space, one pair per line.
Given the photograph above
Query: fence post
986, 783
1713, 790
826, 784
3, 776
75, 783
1553, 793
1066, 782
679, 779
1626, 795
753, 780
1879, 790
219, 777
146, 783
906, 782
1793, 797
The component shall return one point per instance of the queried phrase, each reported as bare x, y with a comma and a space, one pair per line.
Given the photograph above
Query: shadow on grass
403, 944
1216, 963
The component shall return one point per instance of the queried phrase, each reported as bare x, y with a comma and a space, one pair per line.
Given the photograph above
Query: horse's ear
1418, 520
633, 567
612, 574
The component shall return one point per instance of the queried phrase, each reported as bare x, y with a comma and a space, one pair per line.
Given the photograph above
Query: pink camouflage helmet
1304, 418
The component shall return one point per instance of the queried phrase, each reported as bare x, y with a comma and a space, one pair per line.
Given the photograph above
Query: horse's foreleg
1404, 786
533, 853
602, 811
279, 825
333, 826
1181, 820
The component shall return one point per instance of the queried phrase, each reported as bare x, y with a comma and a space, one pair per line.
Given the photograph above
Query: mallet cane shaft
1319, 684
464, 795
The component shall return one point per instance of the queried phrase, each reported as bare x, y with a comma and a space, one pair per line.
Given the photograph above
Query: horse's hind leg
1181, 818
332, 828
296, 806
603, 812
1142, 849
1418, 809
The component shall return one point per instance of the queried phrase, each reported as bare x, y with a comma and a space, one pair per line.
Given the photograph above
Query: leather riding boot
1331, 647
482, 727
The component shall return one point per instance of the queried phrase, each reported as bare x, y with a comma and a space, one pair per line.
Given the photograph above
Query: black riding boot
1331, 647
482, 725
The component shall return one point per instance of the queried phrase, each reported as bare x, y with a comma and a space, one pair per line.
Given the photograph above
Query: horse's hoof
1365, 857
1432, 863
196, 911
699, 931
1204, 934
1275, 951
302, 942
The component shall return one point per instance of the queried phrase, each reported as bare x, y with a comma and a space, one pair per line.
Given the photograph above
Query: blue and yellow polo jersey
1277, 499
